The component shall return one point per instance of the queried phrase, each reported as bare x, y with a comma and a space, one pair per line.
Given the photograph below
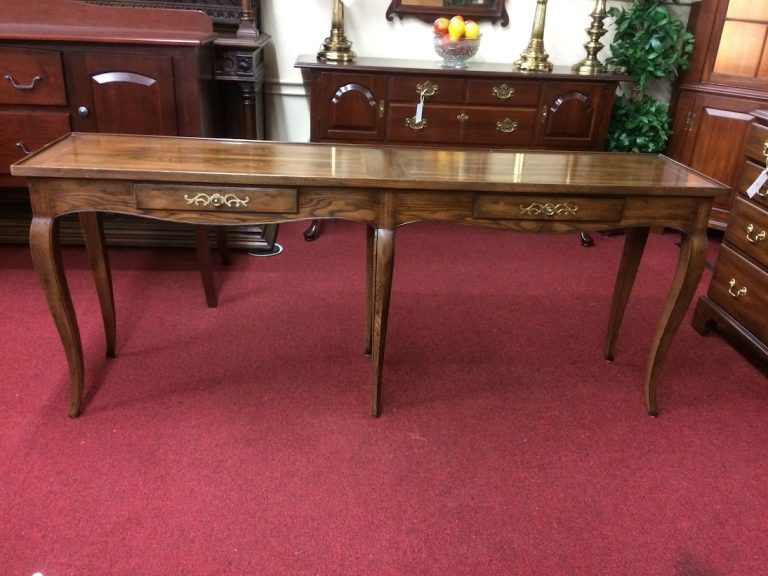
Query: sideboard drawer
158, 196
435, 90
741, 289
500, 126
438, 124
748, 230
498, 93
24, 132
30, 76
757, 141
555, 208
749, 174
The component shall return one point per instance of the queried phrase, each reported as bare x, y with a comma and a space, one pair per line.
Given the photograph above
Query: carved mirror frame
494, 11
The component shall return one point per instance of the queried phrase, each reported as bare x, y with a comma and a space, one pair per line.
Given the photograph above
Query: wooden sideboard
736, 303
72, 66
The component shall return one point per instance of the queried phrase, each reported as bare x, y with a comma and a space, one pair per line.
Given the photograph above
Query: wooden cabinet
736, 303
728, 78
377, 100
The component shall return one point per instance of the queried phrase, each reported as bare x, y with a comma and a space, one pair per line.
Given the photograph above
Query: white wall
300, 26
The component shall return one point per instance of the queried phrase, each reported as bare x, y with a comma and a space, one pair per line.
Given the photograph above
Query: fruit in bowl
456, 40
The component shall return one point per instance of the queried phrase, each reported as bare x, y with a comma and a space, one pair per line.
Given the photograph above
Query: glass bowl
455, 53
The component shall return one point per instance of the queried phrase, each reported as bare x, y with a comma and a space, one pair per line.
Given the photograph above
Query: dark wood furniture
736, 303
727, 79
428, 10
225, 182
375, 100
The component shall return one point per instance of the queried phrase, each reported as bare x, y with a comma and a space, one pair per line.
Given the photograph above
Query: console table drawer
741, 289
31, 77
151, 196
498, 93
748, 230
547, 208
436, 90
24, 132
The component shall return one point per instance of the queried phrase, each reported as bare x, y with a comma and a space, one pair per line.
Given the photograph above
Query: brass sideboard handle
381, 108
229, 200
18, 86
690, 119
413, 124
21, 147
462, 117
507, 126
549, 209
503, 92
424, 89
757, 238
738, 293
544, 113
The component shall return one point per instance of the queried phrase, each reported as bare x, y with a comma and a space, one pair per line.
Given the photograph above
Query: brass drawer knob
736, 293
754, 239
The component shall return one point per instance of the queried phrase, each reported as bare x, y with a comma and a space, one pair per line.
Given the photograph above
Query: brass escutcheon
738, 293
756, 238
503, 92
507, 126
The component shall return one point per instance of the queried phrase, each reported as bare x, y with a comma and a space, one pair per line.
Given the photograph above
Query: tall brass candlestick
535, 58
247, 26
590, 64
336, 47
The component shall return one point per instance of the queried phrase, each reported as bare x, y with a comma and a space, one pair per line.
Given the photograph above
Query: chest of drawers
736, 303
377, 100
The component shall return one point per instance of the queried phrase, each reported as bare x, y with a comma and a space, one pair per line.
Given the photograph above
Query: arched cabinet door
569, 115
122, 93
354, 108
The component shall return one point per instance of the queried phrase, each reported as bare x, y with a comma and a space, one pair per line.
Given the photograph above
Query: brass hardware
544, 112
690, 119
507, 126
754, 239
229, 200
18, 86
462, 117
765, 147
738, 293
381, 108
247, 27
503, 92
415, 125
336, 47
534, 57
22, 148
591, 64
548, 209
427, 88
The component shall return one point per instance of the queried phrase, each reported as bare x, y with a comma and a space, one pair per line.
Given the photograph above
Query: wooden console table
203, 181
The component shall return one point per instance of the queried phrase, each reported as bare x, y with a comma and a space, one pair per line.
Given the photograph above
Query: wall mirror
428, 10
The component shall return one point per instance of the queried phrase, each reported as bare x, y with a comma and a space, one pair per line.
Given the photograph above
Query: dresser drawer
748, 230
499, 126
741, 289
436, 90
31, 77
24, 132
498, 93
749, 174
756, 144
152, 196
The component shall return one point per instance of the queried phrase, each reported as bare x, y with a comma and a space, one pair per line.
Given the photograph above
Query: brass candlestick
590, 64
336, 47
535, 58
247, 27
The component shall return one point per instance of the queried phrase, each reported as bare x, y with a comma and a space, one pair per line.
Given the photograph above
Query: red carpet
238, 441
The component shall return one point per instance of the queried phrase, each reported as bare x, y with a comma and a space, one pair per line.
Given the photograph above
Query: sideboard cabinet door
571, 115
352, 110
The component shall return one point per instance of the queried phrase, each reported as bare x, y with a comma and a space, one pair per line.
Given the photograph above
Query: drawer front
741, 289
499, 93
756, 146
435, 90
150, 196
749, 174
555, 208
33, 77
499, 126
24, 132
748, 230
439, 125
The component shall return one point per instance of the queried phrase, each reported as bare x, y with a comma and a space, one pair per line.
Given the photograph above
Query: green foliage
649, 43
639, 124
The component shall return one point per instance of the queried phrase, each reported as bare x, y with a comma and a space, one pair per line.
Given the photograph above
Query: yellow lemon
471, 30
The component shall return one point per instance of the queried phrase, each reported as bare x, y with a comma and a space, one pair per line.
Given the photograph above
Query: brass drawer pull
736, 293
21, 147
503, 92
548, 209
18, 86
756, 238
507, 126
424, 89
229, 200
462, 117
765, 147
414, 124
